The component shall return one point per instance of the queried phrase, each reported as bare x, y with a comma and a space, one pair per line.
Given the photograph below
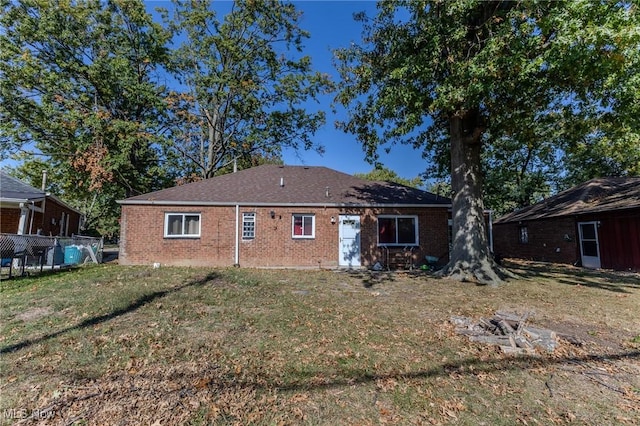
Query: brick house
595, 224
285, 216
28, 210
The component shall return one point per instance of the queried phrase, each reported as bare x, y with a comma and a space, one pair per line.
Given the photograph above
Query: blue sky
331, 26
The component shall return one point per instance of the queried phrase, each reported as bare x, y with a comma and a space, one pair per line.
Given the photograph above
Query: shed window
182, 225
303, 226
524, 234
398, 230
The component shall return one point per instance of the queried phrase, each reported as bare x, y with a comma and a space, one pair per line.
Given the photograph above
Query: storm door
349, 235
589, 247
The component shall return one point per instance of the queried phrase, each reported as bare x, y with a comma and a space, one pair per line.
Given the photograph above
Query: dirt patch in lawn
33, 314
608, 338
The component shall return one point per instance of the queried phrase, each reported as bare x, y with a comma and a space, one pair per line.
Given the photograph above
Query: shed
595, 224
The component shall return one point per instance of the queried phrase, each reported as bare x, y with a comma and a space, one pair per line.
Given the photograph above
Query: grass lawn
108, 344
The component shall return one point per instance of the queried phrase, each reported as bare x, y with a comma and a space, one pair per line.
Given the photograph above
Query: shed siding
619, 239
618, 236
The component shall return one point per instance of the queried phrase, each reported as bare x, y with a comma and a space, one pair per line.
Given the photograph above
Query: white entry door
589, 248
349, 235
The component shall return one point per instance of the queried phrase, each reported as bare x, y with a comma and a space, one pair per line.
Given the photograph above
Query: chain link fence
23, 252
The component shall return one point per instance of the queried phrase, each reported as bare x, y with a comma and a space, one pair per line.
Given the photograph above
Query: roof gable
290, 185
594, 196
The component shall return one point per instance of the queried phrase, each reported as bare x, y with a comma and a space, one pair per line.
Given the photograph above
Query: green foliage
380, 173
78, 87
101, 213
244, 83
555, 87
79, 97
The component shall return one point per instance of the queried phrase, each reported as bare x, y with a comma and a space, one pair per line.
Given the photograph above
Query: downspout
237, 245
22, 223
33, 213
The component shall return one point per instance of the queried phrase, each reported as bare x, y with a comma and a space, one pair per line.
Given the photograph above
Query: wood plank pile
509, 331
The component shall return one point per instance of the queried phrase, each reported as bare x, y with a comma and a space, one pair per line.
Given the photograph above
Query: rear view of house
596, 225
285, 216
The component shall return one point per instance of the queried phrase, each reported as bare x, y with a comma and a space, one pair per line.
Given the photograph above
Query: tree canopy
79, 95
115, 104
381, 173
481, 84
241, 96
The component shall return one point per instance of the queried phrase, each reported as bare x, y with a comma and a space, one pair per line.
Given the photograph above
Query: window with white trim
303, 226
182, 225
248, 226
398, 230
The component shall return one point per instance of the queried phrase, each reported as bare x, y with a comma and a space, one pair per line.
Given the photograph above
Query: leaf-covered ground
121, 345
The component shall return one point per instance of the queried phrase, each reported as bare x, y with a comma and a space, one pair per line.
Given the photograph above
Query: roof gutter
20, 200
36, 200
263, 204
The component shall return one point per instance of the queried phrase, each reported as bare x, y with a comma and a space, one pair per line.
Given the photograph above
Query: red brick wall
547, 241
53, 210
142, 240
273, 244
11, 218
433, 237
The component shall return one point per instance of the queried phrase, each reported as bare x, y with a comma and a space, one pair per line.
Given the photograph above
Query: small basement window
303, 226
182, 225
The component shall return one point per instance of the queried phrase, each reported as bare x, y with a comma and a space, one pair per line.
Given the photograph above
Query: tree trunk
470, 258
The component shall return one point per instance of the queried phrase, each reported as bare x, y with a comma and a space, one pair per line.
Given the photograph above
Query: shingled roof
594, 196
16, 190
290, 185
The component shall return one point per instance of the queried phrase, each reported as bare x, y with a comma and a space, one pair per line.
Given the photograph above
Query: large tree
451, 77
79, 91
243, 84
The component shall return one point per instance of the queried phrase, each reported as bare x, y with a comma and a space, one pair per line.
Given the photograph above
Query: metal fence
25, 252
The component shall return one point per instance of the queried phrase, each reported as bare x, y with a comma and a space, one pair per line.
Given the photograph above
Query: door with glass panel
589, 247
349, 234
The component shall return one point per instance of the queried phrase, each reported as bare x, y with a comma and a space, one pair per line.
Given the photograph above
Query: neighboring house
596, 225
28, 210
285, 216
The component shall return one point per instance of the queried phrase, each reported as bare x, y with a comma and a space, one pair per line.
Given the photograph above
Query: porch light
272, 214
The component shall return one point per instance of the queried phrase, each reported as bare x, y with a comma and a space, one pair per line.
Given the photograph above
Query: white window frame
416, 230
313, 225
248, 218
183, 234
